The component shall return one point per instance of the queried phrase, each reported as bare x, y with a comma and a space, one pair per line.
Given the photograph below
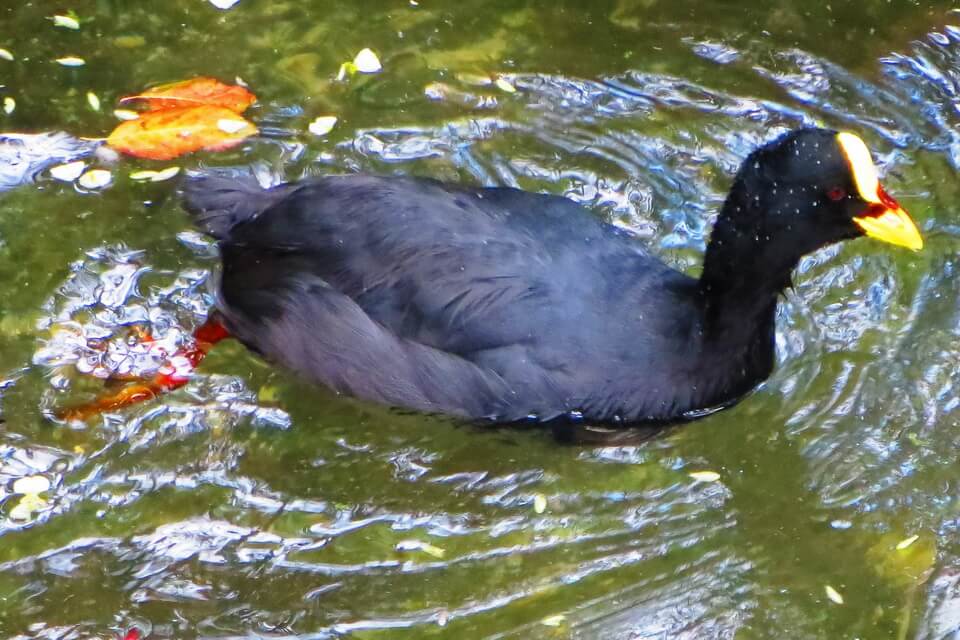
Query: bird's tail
219, 202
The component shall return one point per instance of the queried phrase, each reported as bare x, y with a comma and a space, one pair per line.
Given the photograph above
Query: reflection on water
249, 505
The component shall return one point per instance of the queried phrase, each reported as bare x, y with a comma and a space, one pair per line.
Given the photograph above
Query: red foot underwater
172, 375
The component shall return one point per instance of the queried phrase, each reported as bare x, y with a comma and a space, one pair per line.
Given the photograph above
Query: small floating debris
539, 503
224, 4
68, 172
322, 125
93, 101
905, 543
554, 621
26, 507
6, 55
66, 22
155, 176
504, 85
30, 487
366, 61
31, 484
833, 595
95, 179
705, 476
71, 61
419, 545
9, 105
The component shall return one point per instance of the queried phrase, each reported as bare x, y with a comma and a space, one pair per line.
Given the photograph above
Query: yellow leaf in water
418, 545
28, 505
504, 85
66, 22
9, 105
903, 544
93, 101
346, 69
429, 549
705, 476
31, 484
21, 512
71, 61
268, 394
833, 594
553, 621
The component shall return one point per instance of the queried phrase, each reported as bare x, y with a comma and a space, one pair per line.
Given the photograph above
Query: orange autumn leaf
167, 134
195, 92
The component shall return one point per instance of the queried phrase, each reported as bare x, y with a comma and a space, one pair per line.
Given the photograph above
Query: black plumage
499, 304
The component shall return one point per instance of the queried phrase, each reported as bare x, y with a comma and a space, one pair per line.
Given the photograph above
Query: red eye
837, 194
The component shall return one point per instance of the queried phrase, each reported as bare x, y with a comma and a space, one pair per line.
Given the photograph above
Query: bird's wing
461, 270
325, 336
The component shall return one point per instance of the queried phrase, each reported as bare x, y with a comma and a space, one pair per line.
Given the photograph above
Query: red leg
171, 376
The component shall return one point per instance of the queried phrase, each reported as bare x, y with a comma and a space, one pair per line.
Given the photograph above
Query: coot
499, 304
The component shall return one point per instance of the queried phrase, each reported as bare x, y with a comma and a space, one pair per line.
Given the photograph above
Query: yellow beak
893, 226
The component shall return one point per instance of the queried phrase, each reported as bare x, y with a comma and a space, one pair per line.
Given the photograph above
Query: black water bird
499, 304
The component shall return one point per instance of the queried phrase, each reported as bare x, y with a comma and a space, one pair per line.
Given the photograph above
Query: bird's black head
805, 190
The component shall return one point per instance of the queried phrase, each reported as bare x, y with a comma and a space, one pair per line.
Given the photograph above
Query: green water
249, 504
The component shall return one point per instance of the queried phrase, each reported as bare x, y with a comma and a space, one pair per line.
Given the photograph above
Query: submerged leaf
475, 79
903, 544
903, 561
164, 135
194, 92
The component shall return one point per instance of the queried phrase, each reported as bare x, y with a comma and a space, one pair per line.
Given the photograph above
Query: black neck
743, 273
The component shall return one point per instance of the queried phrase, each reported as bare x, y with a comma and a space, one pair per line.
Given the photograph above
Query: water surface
249, 504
